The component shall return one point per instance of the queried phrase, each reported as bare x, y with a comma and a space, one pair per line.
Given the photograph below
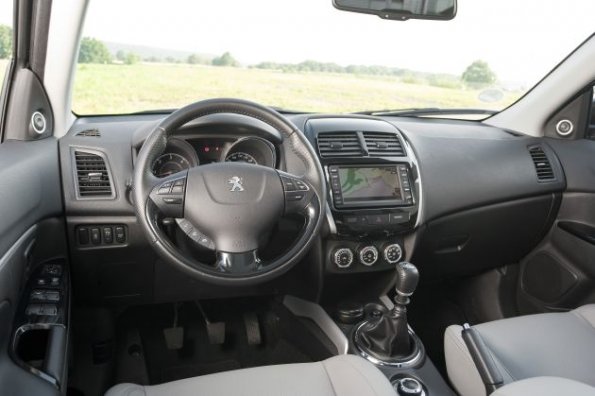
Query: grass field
127, 88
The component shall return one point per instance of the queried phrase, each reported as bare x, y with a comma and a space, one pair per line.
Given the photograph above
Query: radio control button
398, 218
378, 219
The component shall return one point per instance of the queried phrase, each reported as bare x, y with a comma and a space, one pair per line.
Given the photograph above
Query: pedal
215, 330
252, 329
174, 336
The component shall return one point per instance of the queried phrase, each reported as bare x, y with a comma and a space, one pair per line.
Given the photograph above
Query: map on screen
366, 183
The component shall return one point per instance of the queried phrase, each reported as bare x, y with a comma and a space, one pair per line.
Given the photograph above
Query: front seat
343, 375
551, 344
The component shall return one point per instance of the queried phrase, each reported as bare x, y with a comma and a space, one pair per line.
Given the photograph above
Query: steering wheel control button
195, 235
368, 255
165, 188
393, 253
294, 196
343, 257
288, 184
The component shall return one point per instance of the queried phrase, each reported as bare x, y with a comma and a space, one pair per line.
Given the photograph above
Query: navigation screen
370, 183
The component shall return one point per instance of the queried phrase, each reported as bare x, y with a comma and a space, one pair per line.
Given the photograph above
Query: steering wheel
234, 204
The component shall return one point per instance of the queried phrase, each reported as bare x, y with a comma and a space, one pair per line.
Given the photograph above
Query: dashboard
398, 189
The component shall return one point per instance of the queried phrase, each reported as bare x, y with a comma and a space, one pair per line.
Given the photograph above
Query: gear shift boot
388, 338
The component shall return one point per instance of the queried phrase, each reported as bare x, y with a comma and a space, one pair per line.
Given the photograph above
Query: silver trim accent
559, 132
336, 257
419, 390
266, 143
366, 249
73, 151
385, 253
17, 245
332, 226
420, 198
39, 131
413, 360
318, 315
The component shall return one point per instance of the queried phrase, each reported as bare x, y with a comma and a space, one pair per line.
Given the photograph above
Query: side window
5, 36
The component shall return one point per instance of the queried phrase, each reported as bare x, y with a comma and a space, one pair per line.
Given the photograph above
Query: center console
374, 192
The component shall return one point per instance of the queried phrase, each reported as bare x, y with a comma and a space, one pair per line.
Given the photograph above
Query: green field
127, 88
120, 88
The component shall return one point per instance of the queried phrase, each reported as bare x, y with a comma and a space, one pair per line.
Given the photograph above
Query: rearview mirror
401, 10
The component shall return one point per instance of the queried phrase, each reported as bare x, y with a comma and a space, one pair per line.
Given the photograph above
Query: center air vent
92, 176
380, 144
543, 167
339, 144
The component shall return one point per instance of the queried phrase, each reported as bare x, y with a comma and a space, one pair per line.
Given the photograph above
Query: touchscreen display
370, 183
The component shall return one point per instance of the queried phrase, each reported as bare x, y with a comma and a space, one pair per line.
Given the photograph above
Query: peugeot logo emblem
236, 184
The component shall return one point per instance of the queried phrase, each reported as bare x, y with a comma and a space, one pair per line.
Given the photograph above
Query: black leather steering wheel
231, 203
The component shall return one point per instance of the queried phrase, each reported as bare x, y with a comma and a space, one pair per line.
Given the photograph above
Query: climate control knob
343, 257
393, 253
368, 255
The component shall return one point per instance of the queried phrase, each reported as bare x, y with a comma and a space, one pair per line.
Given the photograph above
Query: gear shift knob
407, 279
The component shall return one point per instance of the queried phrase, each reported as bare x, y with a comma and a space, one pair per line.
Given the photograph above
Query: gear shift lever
388, 337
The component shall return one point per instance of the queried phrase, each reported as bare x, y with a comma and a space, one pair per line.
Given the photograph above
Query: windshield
308, 56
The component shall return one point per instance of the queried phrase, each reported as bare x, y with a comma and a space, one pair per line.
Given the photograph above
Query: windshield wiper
426, 111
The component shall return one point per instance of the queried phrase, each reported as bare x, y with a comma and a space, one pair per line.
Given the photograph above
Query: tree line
92, 50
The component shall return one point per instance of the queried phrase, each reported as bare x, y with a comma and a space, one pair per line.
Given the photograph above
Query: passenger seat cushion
550, 345
343, 375
545, 386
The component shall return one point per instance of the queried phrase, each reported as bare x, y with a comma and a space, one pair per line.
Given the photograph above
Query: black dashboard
399, 188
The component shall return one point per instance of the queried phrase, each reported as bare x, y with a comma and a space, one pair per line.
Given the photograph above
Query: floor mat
198, 356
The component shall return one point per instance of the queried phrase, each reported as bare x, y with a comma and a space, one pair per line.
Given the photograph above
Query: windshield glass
308, 56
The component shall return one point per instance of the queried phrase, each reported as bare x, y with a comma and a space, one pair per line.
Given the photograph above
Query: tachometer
239, 156
168, 164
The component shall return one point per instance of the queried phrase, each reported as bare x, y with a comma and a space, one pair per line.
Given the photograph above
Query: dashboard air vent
380, 144
92, 176
89, 133
339, 144
542, 164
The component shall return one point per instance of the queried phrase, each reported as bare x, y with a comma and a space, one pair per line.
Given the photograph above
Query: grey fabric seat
344, 375
552, 344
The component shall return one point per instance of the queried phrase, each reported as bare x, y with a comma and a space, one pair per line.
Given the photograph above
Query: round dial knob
368, 255
343, 257
393, 253
409, 387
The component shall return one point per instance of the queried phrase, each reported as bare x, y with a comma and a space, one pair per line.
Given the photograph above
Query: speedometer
168, 164
239, 156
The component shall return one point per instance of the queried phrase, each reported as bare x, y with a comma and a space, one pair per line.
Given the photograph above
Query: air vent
542, 164
92, 176
380, 144
339, 144
89, 133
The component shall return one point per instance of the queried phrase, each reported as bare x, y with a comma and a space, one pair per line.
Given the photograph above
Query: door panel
560, 273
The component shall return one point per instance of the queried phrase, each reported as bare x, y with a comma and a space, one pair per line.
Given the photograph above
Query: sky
521, 40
